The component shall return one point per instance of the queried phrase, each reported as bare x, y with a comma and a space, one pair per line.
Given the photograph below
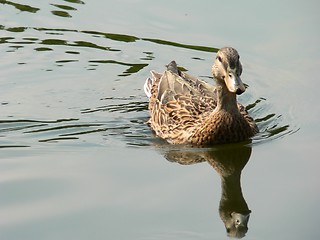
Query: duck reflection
228, 161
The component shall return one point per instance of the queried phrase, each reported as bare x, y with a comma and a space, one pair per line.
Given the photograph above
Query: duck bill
240, 220
234, 83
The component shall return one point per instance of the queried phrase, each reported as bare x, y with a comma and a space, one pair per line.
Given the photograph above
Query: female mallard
185, 109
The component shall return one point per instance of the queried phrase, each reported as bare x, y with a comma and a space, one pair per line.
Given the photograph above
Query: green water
77, 159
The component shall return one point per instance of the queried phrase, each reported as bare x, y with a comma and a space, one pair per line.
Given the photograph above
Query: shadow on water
228, 161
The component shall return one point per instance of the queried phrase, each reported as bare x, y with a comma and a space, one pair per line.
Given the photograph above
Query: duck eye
219, 59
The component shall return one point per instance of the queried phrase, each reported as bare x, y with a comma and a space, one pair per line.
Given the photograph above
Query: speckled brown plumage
184, 109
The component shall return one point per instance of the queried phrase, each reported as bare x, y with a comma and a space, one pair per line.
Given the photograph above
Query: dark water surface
77, 160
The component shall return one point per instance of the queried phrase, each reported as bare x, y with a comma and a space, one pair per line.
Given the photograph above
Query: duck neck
232, 199
226, 100
231, 187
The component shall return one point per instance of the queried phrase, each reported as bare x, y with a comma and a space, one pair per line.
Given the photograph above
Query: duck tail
151, 82
148, 86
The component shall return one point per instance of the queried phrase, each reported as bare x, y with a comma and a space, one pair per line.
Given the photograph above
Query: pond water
77, 159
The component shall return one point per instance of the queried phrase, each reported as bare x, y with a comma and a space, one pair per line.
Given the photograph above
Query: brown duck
187, 110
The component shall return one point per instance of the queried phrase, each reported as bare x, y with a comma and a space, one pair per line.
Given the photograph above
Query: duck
187, 110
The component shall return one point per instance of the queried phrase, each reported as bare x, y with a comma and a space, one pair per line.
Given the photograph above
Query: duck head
227, 69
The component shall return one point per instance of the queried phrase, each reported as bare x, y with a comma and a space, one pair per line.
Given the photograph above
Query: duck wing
174, 82
178, 103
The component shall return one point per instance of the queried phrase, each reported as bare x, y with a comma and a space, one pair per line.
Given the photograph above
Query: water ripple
21, 7
271, 125
120, 111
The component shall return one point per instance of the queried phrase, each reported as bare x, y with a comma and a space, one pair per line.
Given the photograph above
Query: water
77, 158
